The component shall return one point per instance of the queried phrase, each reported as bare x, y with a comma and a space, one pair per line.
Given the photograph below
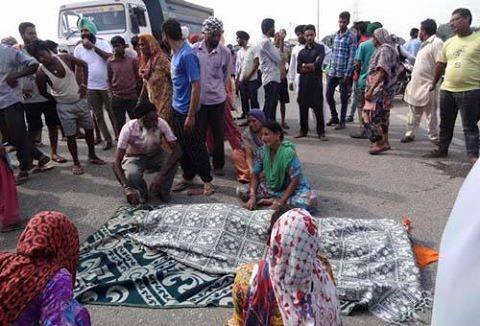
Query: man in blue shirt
186, 102
340, 69
413, 45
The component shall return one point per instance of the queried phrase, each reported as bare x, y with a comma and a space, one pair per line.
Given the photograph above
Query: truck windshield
108, 19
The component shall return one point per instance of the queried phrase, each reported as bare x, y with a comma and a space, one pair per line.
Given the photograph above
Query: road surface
350, 183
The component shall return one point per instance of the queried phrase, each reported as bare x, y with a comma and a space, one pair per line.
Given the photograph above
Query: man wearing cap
246, 73
95, 52
140, 150
214, 61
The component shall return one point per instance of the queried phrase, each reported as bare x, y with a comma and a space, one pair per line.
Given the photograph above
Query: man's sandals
96, 161
59, 159
182, 185
207, 190
78, 170
42, 165
21, 178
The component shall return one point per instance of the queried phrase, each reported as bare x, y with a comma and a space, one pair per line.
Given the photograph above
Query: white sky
397, 16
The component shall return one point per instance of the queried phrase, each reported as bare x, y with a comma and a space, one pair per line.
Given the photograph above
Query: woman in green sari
277, 174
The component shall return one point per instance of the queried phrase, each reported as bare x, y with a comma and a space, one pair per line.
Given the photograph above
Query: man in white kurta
292, 74
417, 94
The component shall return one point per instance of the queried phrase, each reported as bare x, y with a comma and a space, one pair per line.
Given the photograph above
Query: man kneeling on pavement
141, 149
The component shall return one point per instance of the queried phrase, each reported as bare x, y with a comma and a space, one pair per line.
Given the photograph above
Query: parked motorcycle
404, 77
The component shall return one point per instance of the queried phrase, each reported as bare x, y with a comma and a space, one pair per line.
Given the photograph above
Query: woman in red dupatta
9, 209
48, 245
154, 69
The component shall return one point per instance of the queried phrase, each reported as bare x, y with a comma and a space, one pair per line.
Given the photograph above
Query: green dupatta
276, 171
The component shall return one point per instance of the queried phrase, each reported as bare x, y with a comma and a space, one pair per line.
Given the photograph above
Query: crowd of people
179, 94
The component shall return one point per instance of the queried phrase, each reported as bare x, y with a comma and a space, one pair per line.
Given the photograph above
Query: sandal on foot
375, 150
43, 161
195, 192
182, 185
59, 159
96, 161
208, 189
41, 169
21, 178
77, 170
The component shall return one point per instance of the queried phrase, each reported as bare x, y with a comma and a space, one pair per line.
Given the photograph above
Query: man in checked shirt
340, 69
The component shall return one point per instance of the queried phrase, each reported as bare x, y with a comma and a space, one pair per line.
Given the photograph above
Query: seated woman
9, 210
252, 136
251, 143
36, 283
283, 293
277, 177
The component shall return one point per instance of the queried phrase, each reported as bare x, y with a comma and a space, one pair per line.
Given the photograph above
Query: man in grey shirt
14, 64
215, 66
270, 60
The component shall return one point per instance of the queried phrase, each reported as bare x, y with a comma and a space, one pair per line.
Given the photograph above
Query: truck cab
126, 18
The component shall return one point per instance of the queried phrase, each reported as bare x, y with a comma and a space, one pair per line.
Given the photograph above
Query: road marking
456, 141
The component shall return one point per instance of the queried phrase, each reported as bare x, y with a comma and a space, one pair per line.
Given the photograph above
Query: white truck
127, 18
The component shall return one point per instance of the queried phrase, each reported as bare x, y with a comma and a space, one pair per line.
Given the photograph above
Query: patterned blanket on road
185, 256
212, 238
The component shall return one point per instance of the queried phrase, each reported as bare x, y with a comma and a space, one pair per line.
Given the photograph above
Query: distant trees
444, 31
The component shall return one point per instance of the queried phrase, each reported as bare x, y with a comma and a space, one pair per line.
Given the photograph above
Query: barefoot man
67, 77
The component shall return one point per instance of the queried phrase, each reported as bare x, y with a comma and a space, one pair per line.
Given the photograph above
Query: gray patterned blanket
372, 260
212, 238
185, 256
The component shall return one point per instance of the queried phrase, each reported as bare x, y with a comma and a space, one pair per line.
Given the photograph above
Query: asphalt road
350, 183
